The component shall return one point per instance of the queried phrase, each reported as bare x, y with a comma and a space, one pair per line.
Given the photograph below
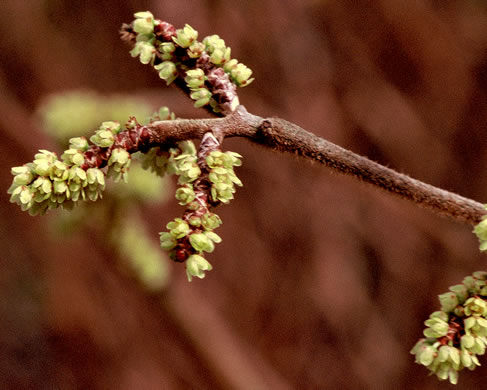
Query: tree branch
285, 136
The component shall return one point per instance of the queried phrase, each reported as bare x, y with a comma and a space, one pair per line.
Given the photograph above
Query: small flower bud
95, 176
119, 156
195, 221
144, 23
436, 328
144, 50
59, 187
103, 138
73, 157
167, 240
185, 195
193, 206
241, 75
178, 228
185, 36
230, 65
196, 265
114, 127
213, 42
196, 49
200, 242
448, 301
167, 71
202, 97
211, 221
195, 78
167, 49
220, 55
481, 232
475, 306
213, 237
23, 175
427, 355
461, 292
79, 143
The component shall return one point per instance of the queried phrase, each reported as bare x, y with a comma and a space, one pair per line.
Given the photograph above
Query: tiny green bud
144, 23
187, 147
230, 65
211, 221
185, 195
193, 206
481, 232
235, 158
202, 97
465, 359
195, 78
475, 306
481, 275
241, 75
427, 355
103, 138
76, 174
23, 175
467, 341
59, 187
461, 291
213, 237
196, 265
42, 167
448, 301
20, 170
168, 241
144, 50
195, 221
167, 71
178, 228
167, 49
185, 36
213, 42
143, 15
196, 49
200, 242
73, 157
79, 143
436, 328
220, 55
42, 185
443, 353
114, 127
119, 156
469, 282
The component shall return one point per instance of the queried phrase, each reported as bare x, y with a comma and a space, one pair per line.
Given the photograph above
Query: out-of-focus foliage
79, 112
76, 113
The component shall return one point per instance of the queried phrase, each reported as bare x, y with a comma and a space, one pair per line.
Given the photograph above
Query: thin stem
285, 136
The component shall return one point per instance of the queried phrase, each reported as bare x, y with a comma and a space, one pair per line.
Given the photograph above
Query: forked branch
285, 136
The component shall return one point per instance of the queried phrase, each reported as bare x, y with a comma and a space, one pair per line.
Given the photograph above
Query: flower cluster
222, 175
179, 160
206, 179
49, 182
456, 334
177, 53
187, 241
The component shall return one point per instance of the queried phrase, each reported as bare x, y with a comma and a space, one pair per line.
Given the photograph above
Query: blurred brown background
321, 282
